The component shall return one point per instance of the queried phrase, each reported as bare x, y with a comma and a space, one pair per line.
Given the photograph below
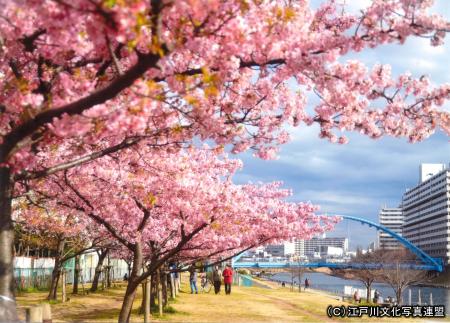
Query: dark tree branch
158, 263
94, 245
26, 175
99, 219
145, 217
113, 55
28, 41
98, 97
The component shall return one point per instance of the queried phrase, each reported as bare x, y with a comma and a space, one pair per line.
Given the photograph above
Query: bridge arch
427, 259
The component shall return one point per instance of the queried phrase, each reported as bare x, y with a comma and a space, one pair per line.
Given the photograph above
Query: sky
364, 175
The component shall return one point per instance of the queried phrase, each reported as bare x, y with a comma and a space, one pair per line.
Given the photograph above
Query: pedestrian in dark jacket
217, 279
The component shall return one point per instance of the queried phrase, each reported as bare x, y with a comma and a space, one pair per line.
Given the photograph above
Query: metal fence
32, 278
27, 279
87, 274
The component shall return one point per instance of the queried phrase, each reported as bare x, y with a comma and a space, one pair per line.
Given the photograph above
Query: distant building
330, 251
391, 218
258, 252
315, 245
426, 211
300, 248
426, 171
281, 250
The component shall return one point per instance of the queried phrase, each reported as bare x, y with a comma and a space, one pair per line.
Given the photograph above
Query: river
441, 296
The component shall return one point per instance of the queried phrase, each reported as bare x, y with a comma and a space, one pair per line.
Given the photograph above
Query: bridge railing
413, 266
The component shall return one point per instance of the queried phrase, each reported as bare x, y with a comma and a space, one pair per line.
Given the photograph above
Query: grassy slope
245, 304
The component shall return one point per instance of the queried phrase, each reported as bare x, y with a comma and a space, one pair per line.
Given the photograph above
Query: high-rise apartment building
391, 218
300, 248
426, 212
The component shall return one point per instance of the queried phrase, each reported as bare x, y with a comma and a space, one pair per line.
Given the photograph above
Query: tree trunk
8, 312
76, 275
173, 292
142, 307
127, 304
108, 274
133, 283
54, 284
164, 288
159, 291
299, 280
104, 278
398, 294
369, 291
56, 271
98, 269
63, 285
153, 291
147, 301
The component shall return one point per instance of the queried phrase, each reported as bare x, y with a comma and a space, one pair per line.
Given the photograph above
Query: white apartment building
426, 212
391, 218
281, 250
315, 245
300, 248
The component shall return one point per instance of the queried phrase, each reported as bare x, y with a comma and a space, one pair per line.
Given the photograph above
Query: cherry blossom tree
67, 235
162, 205
84, 78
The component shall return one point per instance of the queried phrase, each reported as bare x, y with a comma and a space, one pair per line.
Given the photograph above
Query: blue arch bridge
424, 261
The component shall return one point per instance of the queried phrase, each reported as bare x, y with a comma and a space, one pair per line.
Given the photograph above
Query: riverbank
275, 285
433, 282
245, 304
412, 295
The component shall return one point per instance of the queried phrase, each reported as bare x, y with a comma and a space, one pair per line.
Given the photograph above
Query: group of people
283, 284
217, 277
377, 299
227, 275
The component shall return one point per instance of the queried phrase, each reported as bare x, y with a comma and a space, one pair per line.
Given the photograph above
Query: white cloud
423, 64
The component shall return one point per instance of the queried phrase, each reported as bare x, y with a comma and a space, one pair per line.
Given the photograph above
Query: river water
441, 296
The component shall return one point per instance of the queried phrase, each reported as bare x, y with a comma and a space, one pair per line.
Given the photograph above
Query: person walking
376, 296
228, 279
306, 283
193, 280
217, 279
